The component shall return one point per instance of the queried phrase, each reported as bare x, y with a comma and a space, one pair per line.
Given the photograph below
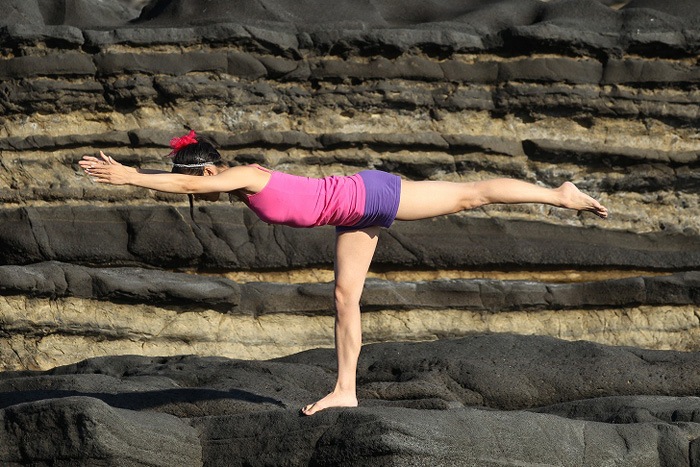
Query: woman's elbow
190, 187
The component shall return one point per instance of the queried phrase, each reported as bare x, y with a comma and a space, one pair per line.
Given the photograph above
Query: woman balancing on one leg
357, 205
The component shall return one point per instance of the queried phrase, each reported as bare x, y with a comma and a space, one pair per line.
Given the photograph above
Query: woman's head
192, 156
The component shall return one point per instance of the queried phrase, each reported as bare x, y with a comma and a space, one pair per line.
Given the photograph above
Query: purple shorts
382, 195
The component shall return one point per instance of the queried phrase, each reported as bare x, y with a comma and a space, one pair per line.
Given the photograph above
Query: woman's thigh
354, 252
424, 199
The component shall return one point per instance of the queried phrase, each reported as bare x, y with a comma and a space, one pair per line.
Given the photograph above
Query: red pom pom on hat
178, 143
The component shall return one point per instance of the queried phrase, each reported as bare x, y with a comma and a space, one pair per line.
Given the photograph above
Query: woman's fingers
104, 169
91, 164
87, 161
94, 166
97, 171
108, 159
105, 158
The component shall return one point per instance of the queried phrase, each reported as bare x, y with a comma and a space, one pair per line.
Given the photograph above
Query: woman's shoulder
259, 167
249, 169
255, 177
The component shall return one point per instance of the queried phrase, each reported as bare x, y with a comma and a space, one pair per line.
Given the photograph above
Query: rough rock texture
602, 93
480, 400
229, 238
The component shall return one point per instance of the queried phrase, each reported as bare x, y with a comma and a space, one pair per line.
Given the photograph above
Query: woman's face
209, 171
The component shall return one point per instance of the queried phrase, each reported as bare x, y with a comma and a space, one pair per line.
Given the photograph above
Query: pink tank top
309, 202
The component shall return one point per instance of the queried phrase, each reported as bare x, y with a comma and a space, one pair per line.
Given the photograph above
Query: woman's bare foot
573, 198
334, 399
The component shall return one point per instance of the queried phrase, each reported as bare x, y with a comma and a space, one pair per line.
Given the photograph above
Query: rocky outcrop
57, 313
542, 91
480, 400
600, 93
231, 238
57, 280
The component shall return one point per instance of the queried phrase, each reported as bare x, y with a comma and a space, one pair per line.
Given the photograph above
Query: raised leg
420, 200
354, 251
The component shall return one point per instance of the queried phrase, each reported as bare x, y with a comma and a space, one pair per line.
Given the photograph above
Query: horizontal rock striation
58, 312
602, 93
541, 91
55, 280
231, 238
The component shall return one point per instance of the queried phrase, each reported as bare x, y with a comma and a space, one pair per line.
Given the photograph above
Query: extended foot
334, 399
573, 198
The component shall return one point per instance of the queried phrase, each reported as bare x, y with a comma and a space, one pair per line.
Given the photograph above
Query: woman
357, 205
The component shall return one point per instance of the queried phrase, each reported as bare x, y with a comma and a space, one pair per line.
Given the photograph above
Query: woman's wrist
129, 175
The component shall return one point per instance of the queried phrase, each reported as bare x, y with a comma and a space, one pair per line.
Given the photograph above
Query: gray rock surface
82, 430
481, 400
230, 237
53, 279
185, 291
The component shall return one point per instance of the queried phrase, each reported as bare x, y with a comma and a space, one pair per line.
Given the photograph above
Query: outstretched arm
107, 170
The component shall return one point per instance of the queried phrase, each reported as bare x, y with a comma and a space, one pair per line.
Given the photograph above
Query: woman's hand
106, 169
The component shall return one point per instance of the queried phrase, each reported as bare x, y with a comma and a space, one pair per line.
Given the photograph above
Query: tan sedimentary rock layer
229, 117
44, 333
311, 275
614, 133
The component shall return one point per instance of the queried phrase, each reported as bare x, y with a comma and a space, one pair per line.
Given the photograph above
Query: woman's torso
300, 201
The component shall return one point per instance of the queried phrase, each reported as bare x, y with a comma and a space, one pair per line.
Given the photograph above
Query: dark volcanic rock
54, 280
687, 9
281, 77
374, 14
377, 26
86, 431
78, 13
469, 437
482, 400
230, 237
87, 14
629, 409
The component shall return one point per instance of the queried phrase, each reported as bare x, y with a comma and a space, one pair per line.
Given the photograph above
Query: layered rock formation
601, 93
488, 400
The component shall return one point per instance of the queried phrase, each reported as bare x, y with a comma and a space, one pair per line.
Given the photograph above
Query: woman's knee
345, 299
472, 195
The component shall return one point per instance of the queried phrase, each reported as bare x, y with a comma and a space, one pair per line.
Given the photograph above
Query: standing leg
353, 255
420, 200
